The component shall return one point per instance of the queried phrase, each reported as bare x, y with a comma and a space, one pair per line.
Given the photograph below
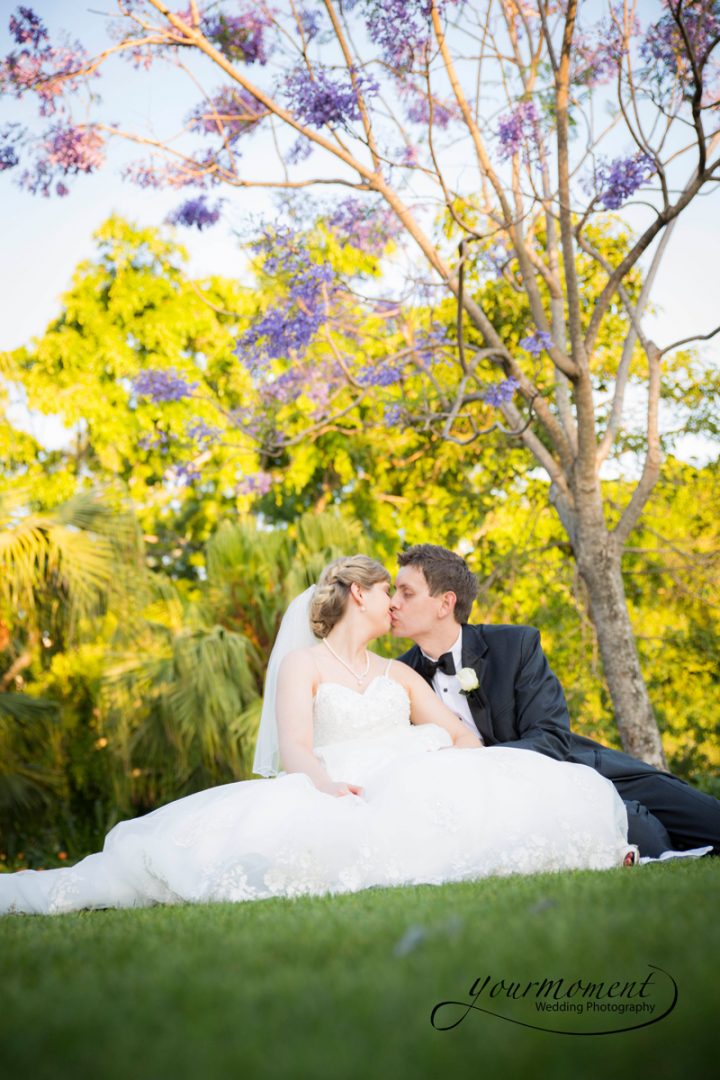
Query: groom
519, 702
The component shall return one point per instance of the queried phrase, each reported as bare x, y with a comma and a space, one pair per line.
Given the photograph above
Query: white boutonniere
467, 677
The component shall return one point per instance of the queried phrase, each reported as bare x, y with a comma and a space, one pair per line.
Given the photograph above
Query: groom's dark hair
444, 572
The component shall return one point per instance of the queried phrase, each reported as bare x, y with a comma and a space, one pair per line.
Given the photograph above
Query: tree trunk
599, 563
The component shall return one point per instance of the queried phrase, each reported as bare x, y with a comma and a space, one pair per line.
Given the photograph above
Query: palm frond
24, 782
72, 557
25, 709
320, 539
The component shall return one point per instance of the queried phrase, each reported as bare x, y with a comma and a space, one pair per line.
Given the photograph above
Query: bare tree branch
653, 457
688, 340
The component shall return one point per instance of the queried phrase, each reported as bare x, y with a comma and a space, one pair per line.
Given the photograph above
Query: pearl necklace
358, 678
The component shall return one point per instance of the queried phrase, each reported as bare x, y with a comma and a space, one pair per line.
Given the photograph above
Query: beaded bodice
341, 713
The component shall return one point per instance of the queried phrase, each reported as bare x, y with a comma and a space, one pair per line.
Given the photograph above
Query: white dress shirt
447, 688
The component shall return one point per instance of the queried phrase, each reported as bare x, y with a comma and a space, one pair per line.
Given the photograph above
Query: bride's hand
340, 788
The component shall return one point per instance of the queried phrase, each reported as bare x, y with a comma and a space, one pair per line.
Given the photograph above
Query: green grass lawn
344, 987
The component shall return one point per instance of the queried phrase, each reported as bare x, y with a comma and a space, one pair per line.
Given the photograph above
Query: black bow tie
428, 667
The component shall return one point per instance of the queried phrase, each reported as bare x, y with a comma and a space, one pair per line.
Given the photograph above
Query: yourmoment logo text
578, 1005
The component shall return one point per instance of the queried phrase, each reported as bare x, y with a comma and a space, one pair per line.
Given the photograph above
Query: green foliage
134, 306
58, 568
61, 572
672, 574
28, 778
131, 308
672, 578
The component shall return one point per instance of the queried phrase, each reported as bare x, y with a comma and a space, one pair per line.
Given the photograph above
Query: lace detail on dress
341, 713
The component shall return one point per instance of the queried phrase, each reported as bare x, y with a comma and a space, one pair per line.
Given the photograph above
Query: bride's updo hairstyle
333, 589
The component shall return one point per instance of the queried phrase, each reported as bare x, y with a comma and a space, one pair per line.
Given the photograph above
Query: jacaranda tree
490, 138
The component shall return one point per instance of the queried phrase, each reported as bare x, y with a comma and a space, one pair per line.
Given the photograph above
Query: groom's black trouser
666, 813
644, 829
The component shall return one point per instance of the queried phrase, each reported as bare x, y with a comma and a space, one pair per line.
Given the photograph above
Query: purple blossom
141, 56
200, 432
65, 151
495, 258
187, 473
39, 67
380, 373
664, 48
285, 387
285, 251
318, 391
26, 26
232, 112
427, 343
401, 28
39, 180
363, 225
195, 212
517, 127
258, 483
537, 342
144, 174
410, 156
240, 37
8, 157
393, 416
9, 135
246, 420
321, 100
197, 172
501, 392
310, 21
162, 385
281, 332
619, 179
597, 53
300, 150
388, 311
158, 441
289, 327
418, 112
74, 149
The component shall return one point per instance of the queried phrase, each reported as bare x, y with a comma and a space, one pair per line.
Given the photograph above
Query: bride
367, 796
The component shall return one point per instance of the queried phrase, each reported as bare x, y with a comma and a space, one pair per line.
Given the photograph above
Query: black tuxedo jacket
520, 702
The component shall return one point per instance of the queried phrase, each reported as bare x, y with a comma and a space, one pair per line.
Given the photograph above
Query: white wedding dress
427, 816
